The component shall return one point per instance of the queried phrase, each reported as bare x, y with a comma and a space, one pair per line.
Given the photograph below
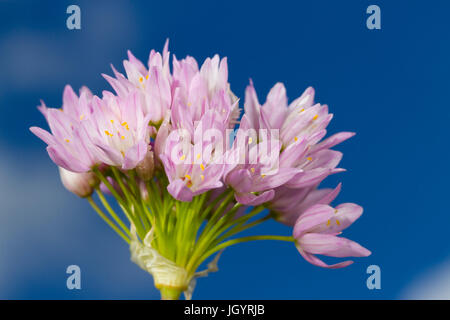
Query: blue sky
391, 86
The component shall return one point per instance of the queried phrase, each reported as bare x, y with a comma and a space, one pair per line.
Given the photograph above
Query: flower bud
145, 168
82, 184
143, 190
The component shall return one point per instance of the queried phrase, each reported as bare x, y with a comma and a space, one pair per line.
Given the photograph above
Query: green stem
168, 293
132, 204
107, 220
240, 227
112, 213
110, 187
228, 243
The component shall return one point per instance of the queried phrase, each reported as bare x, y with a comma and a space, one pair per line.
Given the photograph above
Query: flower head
164, 145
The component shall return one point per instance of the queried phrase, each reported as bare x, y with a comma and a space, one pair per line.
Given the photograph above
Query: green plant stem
112, 213
107, 220
168, 293
110, 187
228, 243
132, 203
237, 228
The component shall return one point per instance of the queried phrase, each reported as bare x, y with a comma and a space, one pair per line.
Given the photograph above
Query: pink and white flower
317, 230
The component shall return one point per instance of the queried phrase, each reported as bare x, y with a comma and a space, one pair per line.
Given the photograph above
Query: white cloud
44, 228
432, 285
41, 60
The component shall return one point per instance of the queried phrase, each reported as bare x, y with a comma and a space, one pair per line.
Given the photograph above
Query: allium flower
153, 84
198, 91
257, 173
316, 233
118, 130
163, 146
189, 177
301, 124
66, 145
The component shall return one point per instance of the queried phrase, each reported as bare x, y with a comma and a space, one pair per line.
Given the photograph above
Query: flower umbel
163, 149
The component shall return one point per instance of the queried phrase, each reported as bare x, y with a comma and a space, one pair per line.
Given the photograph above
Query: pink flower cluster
154, 107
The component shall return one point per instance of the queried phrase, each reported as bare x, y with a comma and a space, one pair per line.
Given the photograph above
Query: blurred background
391, 86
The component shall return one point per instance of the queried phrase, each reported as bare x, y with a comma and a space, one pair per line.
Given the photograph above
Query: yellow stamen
189, 184
122, 137
146, 77
328, 223
202, 177
309, 159
199, 156
252, 170
202, 167
141, 79
123, 153
112, 121
336, 211
107, 133
263, 175
250, 140
67, 140
82, 117
183, 157
124, 123
303, 109
189, 104
187, 176
337, 222
295, 139
315, 117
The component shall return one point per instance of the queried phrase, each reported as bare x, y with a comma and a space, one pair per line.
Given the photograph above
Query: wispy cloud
434, 284
34, 59
44, 228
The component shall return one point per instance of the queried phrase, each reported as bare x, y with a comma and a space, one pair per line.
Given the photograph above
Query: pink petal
65, 160
332, 141
330, 245
134, 155
253, 200
179, 191
313, 217
274, 180
308, 178
252, 106
275, 109
43, 135
317, 262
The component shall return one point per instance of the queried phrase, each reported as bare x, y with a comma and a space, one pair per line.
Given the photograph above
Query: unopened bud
143, 190
145, 168
82, 184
